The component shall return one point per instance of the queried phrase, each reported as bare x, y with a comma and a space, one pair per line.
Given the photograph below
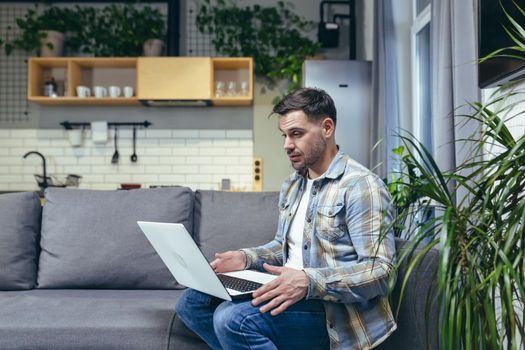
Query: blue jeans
240, 325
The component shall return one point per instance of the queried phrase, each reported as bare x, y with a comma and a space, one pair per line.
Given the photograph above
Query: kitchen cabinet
151, 78
181, 78
71, 72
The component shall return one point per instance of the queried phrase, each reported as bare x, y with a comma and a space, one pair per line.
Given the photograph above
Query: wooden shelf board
105, 101
232, 101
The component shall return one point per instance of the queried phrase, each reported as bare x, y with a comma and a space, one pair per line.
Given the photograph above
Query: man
332, 262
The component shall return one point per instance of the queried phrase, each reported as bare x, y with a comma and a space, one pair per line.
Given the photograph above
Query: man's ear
328, 127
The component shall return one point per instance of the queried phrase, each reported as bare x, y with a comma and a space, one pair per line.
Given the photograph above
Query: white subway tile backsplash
141, 178
198, 159
212, 134
158, 151
212, 169
118, 178
172, 179
200, 142
225, 143
51, 134
11, 142
159, 134
158, 169
237, 169
185, 134
172, 142
36, 143
185, 151
185, 169
239, 134
240, 151
226, 160
9, 178
23, 134
212, 151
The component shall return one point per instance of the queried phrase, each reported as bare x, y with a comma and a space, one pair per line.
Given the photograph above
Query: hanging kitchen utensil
114, 159
134, 155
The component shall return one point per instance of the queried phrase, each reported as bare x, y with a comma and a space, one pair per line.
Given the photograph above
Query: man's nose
288, 144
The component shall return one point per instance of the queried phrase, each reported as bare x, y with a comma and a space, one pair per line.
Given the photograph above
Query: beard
311, 157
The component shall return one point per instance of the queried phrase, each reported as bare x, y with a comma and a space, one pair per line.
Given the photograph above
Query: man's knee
190, 302
231, 318
226, 319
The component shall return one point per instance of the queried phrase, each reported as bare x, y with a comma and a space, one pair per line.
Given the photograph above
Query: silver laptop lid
180, 254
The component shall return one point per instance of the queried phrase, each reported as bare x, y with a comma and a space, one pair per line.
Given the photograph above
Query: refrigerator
349, 83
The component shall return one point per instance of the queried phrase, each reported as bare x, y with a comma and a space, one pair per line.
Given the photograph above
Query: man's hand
287, 289
229, 261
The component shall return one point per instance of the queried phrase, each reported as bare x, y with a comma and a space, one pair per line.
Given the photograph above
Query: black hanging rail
70, 126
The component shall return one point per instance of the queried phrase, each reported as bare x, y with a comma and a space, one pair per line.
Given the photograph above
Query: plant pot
55, 40
153, 47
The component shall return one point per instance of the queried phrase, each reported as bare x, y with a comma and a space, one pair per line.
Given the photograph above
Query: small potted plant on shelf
42, 32
121, 30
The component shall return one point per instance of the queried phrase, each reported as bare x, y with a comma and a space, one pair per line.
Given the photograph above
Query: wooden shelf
152, 78
93, 101
70, 72
237, 70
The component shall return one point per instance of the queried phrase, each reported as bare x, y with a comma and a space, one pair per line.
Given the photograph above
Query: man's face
304, 140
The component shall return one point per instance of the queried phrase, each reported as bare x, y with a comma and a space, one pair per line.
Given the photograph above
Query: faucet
44, 183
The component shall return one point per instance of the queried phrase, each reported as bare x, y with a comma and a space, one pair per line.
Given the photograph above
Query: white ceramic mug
100, 91
114, 91
83, 91
75, 137
128, 91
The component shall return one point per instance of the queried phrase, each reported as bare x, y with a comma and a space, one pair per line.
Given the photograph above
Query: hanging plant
275, 37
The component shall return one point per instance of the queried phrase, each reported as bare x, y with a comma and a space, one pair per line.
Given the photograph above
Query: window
421, 84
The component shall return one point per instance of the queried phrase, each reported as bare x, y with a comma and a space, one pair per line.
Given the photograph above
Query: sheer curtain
385, 102
454, 77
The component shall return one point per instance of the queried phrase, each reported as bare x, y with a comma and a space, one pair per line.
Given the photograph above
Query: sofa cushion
232, 220
90, 239
19, 229
86, 319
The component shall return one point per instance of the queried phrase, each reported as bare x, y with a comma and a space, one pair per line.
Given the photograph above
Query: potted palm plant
477, 223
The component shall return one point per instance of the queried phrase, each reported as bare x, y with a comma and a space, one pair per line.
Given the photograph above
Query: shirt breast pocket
331, 221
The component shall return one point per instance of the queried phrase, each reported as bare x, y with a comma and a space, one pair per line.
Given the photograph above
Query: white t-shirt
295, 234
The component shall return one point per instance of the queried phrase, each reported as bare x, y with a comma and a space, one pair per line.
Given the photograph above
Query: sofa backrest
417, 326
233, 220
90, 239
19, 230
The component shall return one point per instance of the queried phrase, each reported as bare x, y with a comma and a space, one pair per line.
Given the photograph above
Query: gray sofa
78, 273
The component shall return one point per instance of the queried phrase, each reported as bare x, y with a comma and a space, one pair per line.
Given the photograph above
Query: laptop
189, 266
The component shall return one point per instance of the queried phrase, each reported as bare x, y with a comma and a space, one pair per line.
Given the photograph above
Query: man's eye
296, 133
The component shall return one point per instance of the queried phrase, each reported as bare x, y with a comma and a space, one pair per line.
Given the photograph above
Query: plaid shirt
346, 262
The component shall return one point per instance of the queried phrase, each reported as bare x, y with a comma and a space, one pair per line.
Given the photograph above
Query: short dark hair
314, 102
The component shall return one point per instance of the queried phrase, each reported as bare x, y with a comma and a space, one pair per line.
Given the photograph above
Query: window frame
418, 23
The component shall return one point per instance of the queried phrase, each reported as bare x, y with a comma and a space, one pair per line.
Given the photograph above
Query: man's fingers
273, 269
265, 288
281, 308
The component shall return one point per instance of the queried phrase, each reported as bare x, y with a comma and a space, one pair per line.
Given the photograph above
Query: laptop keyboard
238, 284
